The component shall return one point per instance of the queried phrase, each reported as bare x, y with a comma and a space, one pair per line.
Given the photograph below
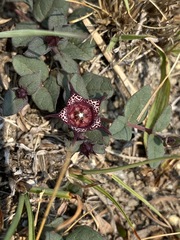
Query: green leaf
36, 48
43, 99
67, 63
136, 104
37, 32
31, 82
16, 218
84, 232
162, 97
100, 149
120, 130
57, 20
53, 88
97, 85
80, 50
95, 136
43, 9
51, 235
22, 41
55, 223
133, 37
48, 231
163, 121
26, 66
126, 3
155, 149
79, 12
12, 104
79, 85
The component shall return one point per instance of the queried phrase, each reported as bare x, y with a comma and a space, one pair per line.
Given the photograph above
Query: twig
58, 183
108, 55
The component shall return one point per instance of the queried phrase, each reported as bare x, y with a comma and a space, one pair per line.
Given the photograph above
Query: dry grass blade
161, 235
155, 219
158, 9
101, 44
58, 183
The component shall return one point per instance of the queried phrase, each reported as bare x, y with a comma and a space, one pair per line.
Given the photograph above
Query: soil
32, 152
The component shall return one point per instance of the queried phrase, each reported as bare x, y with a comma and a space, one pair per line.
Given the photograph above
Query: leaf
80, 50
57, 20
84, 232
95, 136
162, 97
12, 104
48, 231
97, 86
37, 32
43, 9
79, 85
120, 130
155, 149
36, 48
67, 63
136, 104
43, 99
79, 12
100, 149
31, 82
26, 66
163, 121
133, 37
53, 88
55, 223
51, 235
22, 41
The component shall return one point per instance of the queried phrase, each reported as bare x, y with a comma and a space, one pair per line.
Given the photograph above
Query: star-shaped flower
81, 114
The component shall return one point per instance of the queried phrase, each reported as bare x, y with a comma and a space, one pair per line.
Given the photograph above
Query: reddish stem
141, 128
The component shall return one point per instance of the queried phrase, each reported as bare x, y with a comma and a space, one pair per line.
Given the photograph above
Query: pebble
174, 220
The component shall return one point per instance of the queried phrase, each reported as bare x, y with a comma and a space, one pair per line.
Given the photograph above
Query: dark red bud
52, 41
21, 93
86, 148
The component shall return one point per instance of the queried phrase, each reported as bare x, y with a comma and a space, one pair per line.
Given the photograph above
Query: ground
32, 149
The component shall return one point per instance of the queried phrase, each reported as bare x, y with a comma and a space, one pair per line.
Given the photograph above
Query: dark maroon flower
21, 93
86, 148
81, 114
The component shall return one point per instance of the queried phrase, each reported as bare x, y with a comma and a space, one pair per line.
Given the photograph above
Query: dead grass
32, 150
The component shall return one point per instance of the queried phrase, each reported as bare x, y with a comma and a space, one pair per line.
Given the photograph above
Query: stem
16, 218
49, 192
115, 169
141, 128
58, 183
31, 231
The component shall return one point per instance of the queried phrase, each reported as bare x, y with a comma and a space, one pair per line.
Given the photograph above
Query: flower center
80, 115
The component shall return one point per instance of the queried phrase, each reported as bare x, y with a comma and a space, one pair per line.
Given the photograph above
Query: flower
86, 148
81, 114
52, 41
21, 93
